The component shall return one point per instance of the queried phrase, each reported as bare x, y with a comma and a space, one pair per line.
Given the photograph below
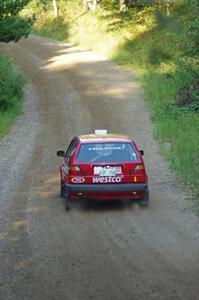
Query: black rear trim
122, 187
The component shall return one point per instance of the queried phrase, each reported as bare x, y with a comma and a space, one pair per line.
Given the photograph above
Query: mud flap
144, 202
67, 201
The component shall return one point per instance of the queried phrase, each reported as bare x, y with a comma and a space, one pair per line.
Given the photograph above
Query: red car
103, 166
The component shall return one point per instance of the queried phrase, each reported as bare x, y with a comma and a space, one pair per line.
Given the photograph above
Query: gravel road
100, 251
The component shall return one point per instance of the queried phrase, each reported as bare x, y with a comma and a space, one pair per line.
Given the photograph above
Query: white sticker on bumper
78, 179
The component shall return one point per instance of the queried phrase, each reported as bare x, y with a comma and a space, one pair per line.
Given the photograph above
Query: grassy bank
11, 87
154, 44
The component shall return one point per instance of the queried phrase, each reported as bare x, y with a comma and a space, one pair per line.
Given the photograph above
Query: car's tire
64, 196
144, 202
62, 189
67, 203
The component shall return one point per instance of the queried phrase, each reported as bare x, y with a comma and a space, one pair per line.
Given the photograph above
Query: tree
90, 4
46, 4
55, 9
12, 25
124, 4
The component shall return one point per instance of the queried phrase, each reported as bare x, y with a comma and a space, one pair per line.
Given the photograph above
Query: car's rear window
106, 152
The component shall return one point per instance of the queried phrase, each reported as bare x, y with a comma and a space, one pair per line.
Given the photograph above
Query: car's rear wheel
144, 202
65, 196
67, 203
62, 189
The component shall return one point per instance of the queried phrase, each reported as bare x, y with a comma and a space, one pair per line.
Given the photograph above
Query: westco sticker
78, 179
102, 179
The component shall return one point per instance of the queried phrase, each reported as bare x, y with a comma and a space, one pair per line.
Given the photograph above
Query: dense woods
12, 25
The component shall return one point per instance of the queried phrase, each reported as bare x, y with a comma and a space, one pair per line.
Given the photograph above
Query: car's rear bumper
122, 187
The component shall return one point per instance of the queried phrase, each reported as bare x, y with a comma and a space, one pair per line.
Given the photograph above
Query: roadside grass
11, 87
7, 119
176, 130
52, 28
135, 41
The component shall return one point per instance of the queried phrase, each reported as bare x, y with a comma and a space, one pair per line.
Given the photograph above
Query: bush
11, 85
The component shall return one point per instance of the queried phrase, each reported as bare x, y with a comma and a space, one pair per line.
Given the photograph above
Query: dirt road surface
112, 251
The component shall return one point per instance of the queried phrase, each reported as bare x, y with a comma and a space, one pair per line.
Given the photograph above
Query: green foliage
11, 86
12, 25
187, 84
12, 7
54, 28
187, 65
7, 119
177, 129
189, 40
43, 4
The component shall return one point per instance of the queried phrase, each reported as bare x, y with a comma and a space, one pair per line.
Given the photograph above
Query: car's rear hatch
106, 163
107, 173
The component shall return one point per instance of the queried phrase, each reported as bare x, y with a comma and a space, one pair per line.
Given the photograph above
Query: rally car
103, 166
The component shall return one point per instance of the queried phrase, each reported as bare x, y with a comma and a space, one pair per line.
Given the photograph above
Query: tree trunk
55, 9
123, 5
90, 4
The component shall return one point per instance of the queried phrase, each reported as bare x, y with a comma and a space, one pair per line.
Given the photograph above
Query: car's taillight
74, 170
140, 167
139, 173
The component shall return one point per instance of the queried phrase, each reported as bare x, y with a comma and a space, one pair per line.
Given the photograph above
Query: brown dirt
95, 251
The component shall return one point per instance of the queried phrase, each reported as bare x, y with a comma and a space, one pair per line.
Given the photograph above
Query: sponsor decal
78, 179
106, 148
107, 179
